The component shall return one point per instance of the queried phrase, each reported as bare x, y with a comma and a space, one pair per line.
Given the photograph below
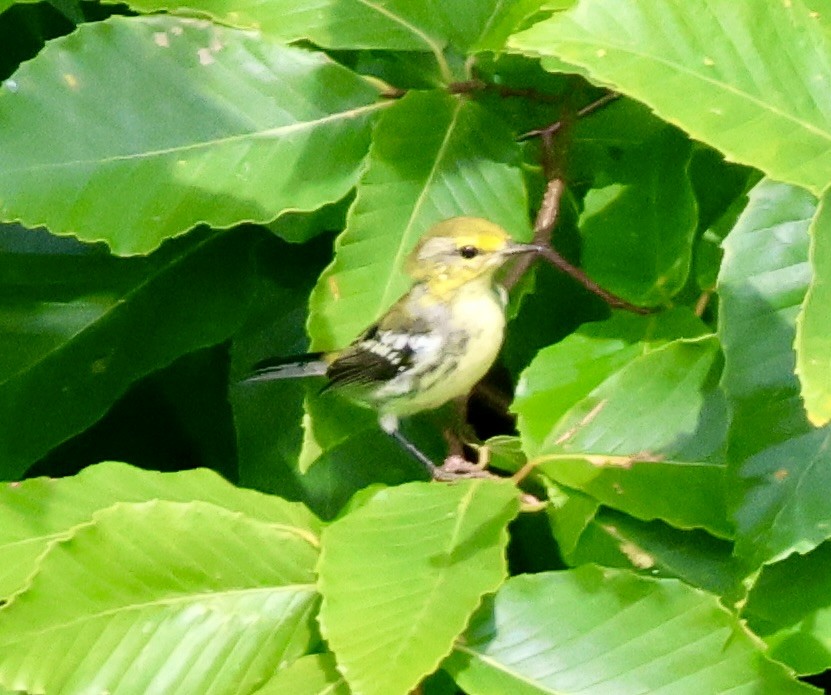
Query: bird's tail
311, 364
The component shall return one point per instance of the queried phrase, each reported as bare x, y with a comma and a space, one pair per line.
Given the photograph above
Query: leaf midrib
167, 602
277, 131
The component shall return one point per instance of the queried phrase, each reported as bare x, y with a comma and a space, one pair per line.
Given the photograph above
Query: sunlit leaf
56, 506
315, 674
162, 597
401, 575
612, 410
238, 128
750, 78
813, 329
624, 634
394, 24
433, 156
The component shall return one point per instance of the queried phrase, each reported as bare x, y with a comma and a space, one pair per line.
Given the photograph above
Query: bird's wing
376, 357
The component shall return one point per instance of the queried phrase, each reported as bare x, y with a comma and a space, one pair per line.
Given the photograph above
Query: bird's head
461, 249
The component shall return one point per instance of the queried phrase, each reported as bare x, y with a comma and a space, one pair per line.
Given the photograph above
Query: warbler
435, 343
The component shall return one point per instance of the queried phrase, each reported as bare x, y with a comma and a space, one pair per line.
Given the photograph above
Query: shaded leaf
780, 466
162, 597
240, 128
813, 329
790, 607
656, 549
689, 62
37, 512
79, 328
267, 415
625, 634
433, 156
638, 229
401, 575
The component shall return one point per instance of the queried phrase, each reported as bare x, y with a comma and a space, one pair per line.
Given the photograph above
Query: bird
435, 343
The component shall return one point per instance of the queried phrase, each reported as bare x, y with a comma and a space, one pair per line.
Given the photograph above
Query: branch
549, 130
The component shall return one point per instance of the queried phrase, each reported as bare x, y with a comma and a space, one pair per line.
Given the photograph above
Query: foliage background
188, 188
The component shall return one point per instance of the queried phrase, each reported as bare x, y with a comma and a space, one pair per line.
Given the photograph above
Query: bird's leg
449, 471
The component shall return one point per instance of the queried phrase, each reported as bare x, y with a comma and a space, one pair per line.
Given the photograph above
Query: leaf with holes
238, 128
750, 78
391, 24
433, 156
401, 575
162, 597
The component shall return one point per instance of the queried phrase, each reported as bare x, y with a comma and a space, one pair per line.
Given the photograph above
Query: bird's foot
456, 467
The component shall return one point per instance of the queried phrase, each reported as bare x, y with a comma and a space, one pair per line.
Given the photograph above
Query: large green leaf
564, 374
623, 634
394, 24
162, 597
401, 575
790, 606
219, 126
750, 78
432, 157
780, 463
79, 328
615, 410
37, 512
813, 329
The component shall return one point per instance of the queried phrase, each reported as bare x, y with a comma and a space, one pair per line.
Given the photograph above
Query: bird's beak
513, 248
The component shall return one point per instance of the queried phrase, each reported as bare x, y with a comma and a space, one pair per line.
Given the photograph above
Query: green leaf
79, 328
267, 415
656, 549
638, 229
392, 24
779, 464
433, 156
37, 512
813, 330
239, 128
736, 75
564, 374
614, 423
624, 634
314, 674
401, 575
162, 597
790, 607
693, 492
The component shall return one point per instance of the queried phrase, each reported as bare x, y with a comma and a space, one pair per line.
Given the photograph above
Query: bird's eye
468, 252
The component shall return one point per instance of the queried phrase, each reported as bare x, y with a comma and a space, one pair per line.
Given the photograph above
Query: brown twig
477, 85
578, 274
549, 130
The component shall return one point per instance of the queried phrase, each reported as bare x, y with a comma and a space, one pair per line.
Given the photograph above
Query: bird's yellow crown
458, 250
